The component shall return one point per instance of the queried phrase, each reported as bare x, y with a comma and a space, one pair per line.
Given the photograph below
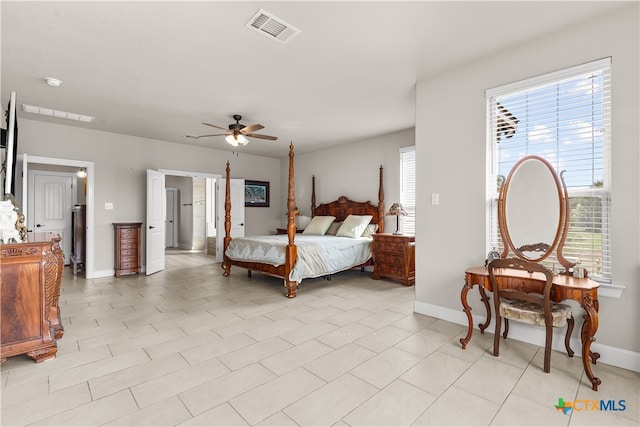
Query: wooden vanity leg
485, 300
467, 310
588, 332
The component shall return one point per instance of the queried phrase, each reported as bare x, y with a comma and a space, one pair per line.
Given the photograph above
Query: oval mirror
531, 209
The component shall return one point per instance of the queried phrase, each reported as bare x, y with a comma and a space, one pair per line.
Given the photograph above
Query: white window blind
564, 117
408, 189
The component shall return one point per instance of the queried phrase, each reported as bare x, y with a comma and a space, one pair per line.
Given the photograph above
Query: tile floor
188, 346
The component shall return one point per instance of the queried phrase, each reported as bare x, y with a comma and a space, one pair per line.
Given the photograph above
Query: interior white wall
121, 162
351, 170
451, 152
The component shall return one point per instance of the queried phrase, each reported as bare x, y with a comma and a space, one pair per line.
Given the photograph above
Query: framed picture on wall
256, 194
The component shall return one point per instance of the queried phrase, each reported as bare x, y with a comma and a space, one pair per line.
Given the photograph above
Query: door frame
90, 198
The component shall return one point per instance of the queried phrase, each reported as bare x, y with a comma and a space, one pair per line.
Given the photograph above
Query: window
408, 189
565, 118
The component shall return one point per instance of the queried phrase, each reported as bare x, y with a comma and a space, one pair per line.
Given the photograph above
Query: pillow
302, 221
369, 230
319, 225
354, 225
333, 228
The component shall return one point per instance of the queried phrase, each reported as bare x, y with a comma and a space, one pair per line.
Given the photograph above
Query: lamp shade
236, 140
396, 209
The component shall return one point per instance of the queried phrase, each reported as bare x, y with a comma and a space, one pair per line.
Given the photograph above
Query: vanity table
584, 291
533, 219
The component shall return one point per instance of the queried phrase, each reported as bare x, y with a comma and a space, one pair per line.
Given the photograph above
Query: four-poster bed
293, 257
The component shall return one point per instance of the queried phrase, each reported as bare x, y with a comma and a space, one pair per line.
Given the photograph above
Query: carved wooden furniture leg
226, 269
589, 328
567, 337
467, 310
485, 300
291, 288
42, 354
505, 334
55, 316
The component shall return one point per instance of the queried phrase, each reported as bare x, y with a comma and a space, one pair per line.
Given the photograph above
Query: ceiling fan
237, 133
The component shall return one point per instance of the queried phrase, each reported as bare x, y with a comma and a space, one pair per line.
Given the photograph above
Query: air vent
272, 27
57, 113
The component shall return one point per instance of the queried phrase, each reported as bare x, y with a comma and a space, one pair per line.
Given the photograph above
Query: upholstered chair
527, 301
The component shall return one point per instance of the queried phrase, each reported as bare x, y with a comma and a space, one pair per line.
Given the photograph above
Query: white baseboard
534, 335
109, 273
102, 273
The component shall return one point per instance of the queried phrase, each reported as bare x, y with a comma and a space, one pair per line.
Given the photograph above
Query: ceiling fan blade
251, 128
204, 136
214, 126
257, 135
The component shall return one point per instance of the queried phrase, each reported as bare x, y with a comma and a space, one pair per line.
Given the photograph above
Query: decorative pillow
333, 228
369, 230
319, 225
302, 221
354, 225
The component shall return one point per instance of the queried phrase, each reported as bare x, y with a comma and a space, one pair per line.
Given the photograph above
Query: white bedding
317, 255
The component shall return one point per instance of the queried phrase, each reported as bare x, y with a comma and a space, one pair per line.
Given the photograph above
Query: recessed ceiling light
57, 113
53, 82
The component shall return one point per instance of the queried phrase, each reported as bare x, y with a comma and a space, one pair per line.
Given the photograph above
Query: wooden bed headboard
343, 206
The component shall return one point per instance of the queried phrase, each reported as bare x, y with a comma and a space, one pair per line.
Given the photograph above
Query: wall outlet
435, 199
108, 206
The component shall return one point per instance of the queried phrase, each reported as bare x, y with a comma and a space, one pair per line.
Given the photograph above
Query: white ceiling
159, 69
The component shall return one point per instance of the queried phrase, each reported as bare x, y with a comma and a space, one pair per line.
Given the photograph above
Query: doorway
51, 197
193, 209
25, 161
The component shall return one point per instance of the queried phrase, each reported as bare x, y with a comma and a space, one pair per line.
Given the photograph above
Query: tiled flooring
188, 346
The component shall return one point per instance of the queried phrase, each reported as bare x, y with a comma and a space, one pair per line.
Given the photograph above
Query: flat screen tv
9, 143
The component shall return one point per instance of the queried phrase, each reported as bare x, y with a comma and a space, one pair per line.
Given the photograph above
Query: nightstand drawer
389, 257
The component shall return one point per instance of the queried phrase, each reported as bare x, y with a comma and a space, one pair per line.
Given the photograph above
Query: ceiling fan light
231, 140
236, 140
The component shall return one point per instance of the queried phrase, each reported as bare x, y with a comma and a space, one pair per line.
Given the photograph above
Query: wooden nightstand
394, 256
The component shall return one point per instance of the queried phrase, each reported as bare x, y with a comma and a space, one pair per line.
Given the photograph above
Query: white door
51, 198
237, 212
155, 227
171, 223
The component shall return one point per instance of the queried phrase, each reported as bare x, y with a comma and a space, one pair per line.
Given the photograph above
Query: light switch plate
108, 206
435, 199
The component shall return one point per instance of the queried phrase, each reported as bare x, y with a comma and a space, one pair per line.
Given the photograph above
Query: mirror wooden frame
562, 226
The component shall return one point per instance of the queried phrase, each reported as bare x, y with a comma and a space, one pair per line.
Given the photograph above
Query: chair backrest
507, 282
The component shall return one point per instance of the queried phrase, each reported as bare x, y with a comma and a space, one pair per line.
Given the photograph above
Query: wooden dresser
31, 274
394, 257
127, 248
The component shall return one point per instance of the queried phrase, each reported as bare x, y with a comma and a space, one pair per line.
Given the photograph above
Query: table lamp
396, 210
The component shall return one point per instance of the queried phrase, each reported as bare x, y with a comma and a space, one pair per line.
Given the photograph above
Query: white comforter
317, 255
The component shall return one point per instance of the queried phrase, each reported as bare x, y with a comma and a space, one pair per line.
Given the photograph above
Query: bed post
381, 202
292, 251
227, 222
313, 196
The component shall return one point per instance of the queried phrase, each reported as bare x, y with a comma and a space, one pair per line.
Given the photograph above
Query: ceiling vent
57, 113
272, 27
